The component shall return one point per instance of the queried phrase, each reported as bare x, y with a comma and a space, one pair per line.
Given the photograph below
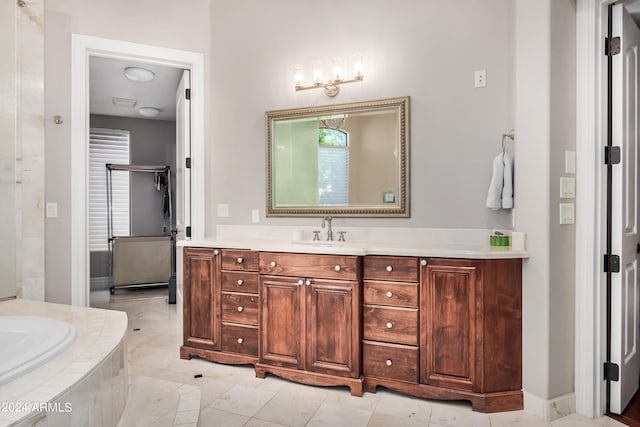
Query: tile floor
164, 390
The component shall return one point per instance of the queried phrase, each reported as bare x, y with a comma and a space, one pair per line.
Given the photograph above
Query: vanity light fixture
331, 87
148, 111
138, 74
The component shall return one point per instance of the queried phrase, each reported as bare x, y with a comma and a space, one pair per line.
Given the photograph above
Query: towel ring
511, 135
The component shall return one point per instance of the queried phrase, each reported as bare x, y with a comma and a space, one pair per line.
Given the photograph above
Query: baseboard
99, 283
550, 410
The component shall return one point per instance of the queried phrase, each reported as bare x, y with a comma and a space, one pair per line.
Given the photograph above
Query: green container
499, 241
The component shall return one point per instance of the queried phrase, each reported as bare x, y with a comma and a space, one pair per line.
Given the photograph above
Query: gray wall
154, 22
426, 49
152, 142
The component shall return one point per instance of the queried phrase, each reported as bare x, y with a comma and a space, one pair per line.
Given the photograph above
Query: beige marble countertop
435, 249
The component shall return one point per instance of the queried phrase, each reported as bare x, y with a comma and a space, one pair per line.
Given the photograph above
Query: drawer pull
389, 325
240, 340
300, 282
337, 268
389, 268
240, 308
216, 252
423, 262
389, 294
308, 282
388, 362
272, 264
240, 260
240, 282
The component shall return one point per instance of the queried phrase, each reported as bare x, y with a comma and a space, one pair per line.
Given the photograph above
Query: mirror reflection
341, 160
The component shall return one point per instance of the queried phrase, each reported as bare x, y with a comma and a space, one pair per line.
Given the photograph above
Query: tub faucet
327, 220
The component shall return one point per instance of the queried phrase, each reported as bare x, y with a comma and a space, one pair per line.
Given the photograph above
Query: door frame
591, 127
82, 47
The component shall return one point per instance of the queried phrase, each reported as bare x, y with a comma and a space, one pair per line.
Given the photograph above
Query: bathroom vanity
438, 327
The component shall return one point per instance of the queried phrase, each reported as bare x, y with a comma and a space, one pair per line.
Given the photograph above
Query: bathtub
29, 342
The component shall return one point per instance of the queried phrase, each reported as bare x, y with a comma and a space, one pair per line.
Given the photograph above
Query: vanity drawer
239, 281
240, 339
319, 266
394, 268
240, 308
392, 361
239, 259
390, 324
398, 294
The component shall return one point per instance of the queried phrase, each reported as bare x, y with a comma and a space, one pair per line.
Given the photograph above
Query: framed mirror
345, 160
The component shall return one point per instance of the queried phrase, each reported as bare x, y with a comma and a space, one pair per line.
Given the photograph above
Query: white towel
507, 189
494, 196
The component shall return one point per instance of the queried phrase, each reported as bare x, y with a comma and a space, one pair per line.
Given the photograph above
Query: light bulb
337, 72
298, 76
358, 70
317, 76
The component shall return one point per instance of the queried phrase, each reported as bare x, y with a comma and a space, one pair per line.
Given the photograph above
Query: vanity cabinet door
282, 325
333, 335
201, 305
451, 312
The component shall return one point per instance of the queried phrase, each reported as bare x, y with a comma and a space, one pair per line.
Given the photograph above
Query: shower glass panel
7, 149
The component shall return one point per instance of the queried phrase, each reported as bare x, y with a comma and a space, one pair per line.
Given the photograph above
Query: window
107, 146
333, 167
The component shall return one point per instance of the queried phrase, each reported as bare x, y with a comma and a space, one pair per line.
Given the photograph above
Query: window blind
108, 146
333, 167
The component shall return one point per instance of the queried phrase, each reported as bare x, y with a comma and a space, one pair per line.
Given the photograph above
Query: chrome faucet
327, 220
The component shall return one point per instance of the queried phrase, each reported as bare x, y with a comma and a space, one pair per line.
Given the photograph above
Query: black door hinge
611, 155
611, 371
187, 163
611, 264
187, 93
612, 46
187, 231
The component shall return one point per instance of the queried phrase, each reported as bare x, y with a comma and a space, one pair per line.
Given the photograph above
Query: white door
625, 305
183, 152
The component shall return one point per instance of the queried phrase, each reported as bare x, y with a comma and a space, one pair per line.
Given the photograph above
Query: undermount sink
320, 243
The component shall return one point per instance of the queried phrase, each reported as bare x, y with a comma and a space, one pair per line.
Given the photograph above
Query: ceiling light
148, 111
124, 102
139, 75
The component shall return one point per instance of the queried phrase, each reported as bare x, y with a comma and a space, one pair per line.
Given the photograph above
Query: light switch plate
567, 213
255, 215
567, 187
223, 210
52, 210
570, 162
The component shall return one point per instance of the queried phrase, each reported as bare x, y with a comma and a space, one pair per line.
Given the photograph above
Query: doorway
83, 49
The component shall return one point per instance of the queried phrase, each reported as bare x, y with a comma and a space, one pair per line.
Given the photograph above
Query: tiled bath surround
85, 385
29, 151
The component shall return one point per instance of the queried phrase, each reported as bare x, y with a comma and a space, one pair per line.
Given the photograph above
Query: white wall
425, 49
163, 23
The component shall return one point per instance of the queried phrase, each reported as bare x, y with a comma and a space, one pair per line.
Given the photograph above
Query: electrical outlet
480, 78
223, 210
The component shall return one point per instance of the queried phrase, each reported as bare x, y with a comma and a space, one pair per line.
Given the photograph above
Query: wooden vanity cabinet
232, 304
201, 320
310, 319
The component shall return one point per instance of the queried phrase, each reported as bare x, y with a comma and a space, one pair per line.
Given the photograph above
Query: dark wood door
282, 334
451, 311
333, 334
201, 303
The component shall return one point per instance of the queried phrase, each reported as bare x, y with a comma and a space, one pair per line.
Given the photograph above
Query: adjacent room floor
166, 391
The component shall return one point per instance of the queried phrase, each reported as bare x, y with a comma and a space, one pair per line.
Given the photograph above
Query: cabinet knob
240, 340
337, 268
240, 282
216, 252
423, 262
389, 294
240, 260
389, 268
388, 362
308, 282
389, 325
300, 282
272, 264
240, 308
